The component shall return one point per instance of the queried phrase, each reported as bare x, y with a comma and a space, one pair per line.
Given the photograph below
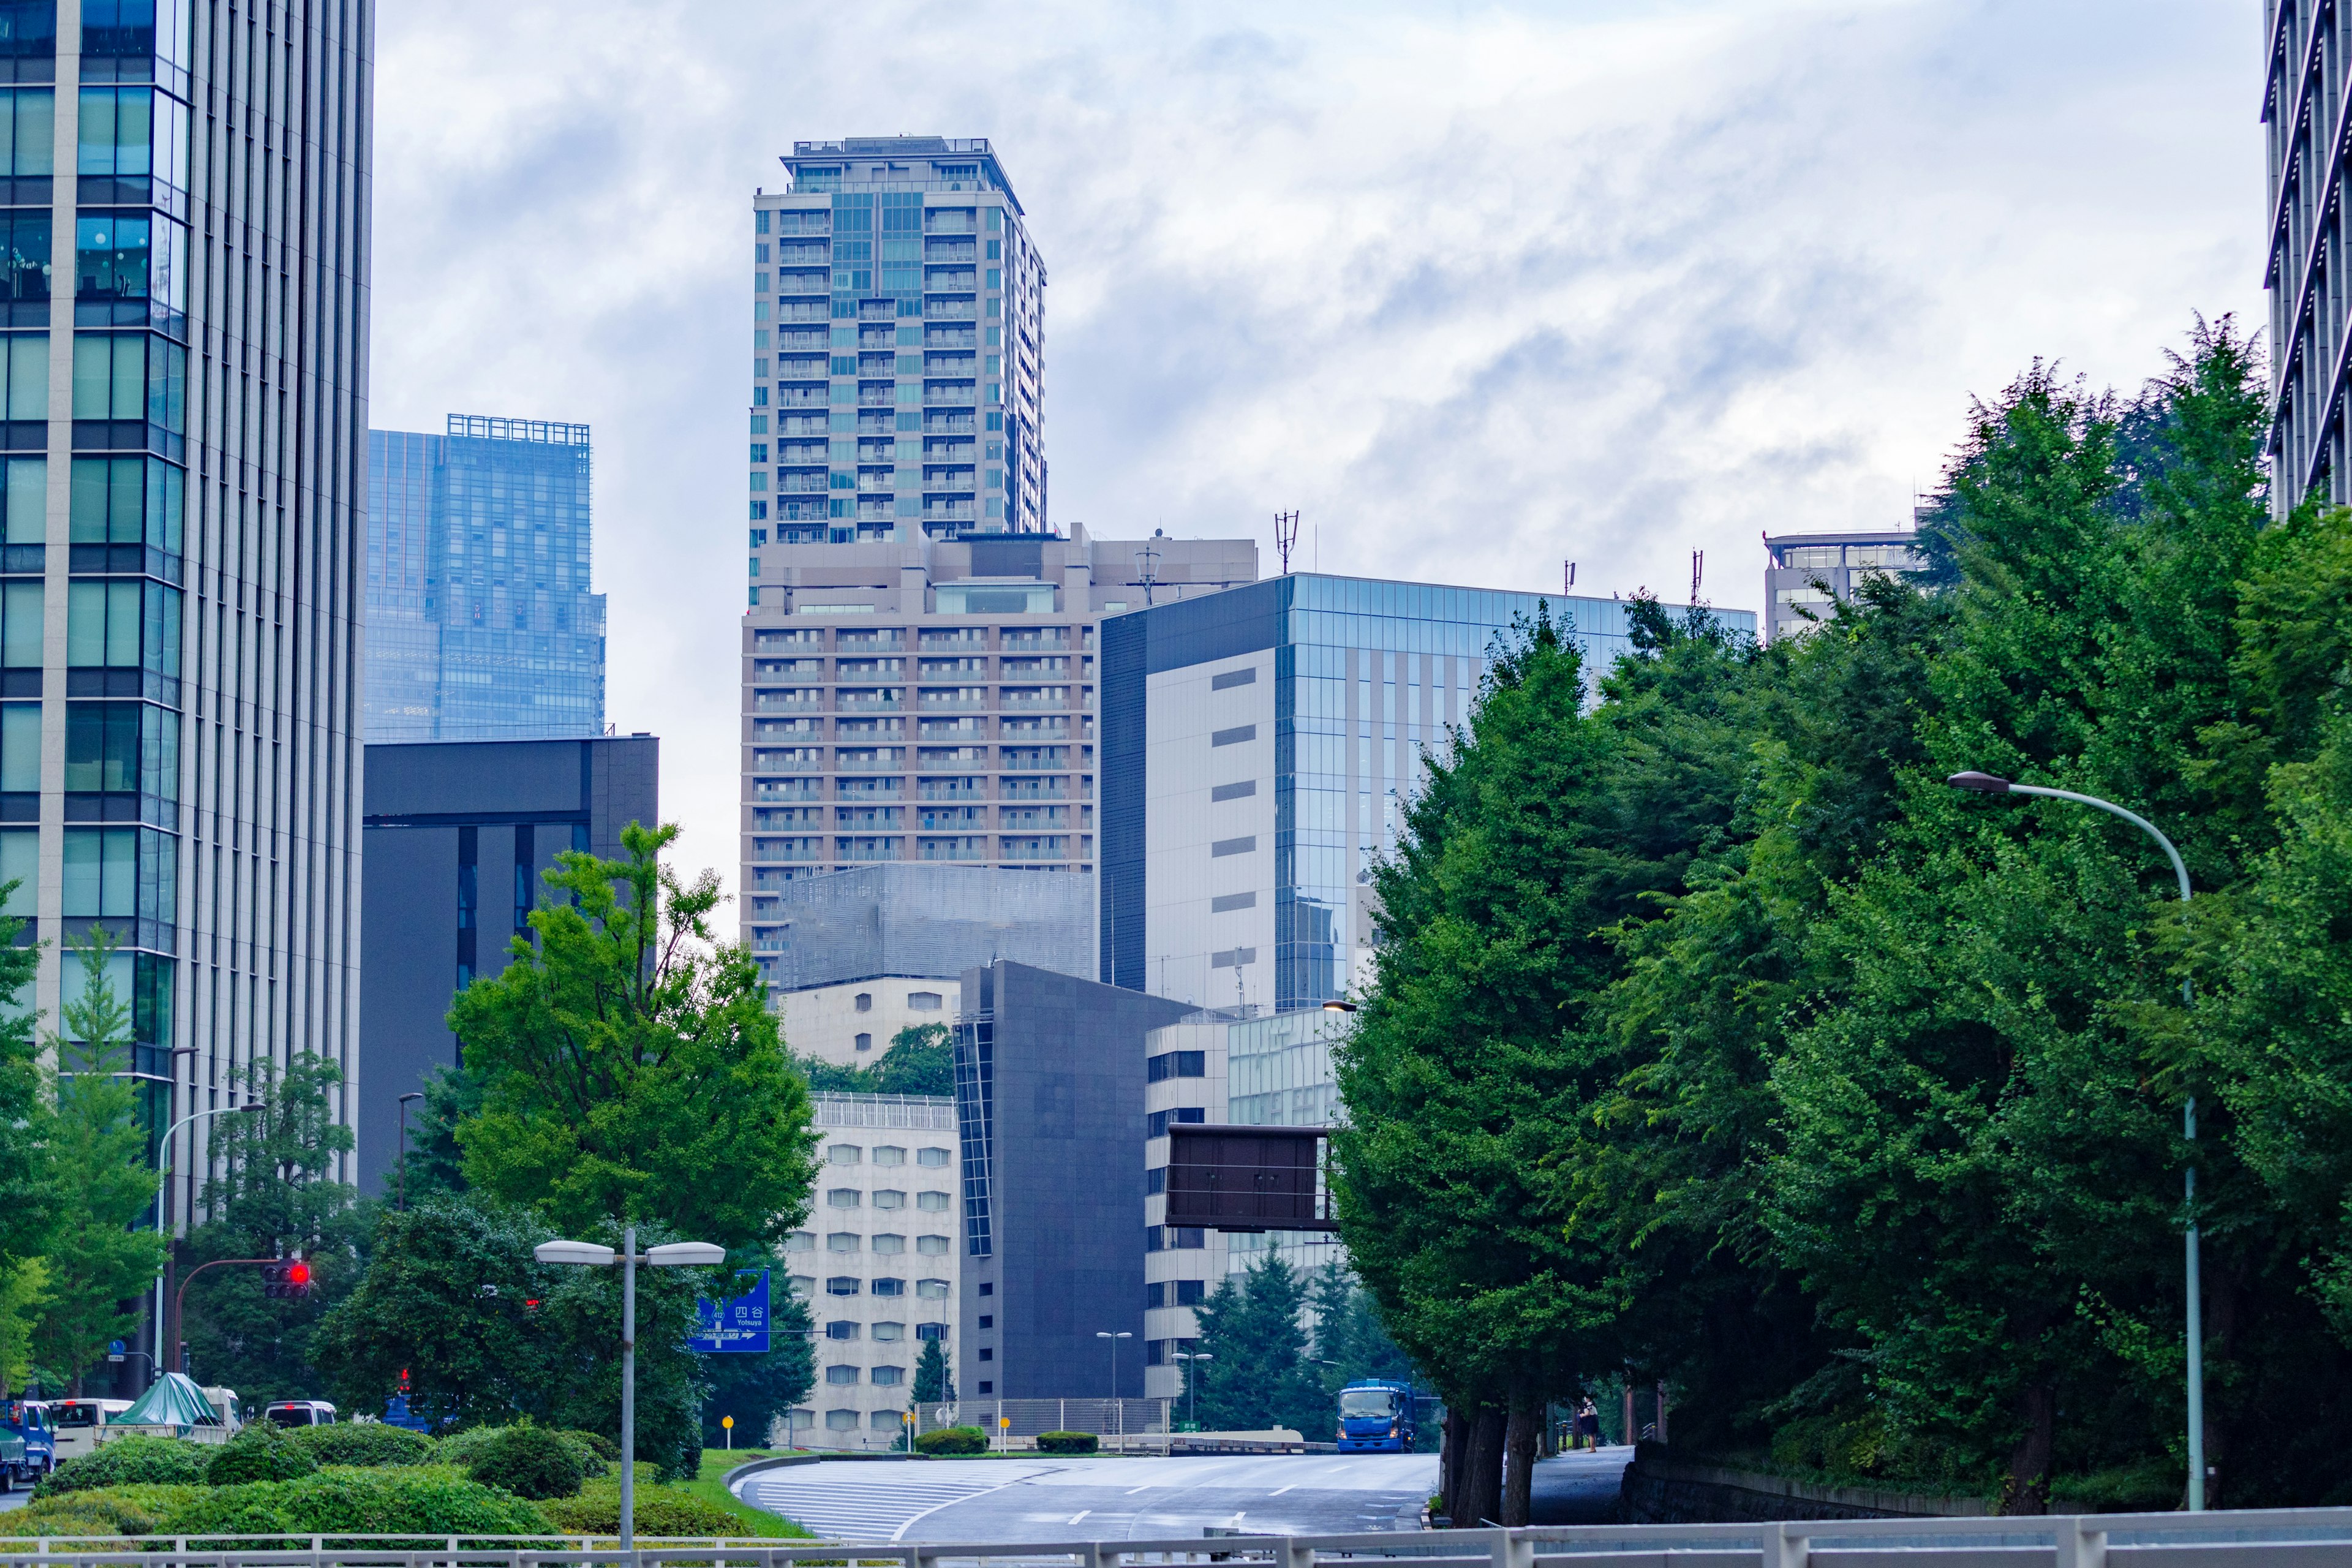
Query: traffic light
288, 1279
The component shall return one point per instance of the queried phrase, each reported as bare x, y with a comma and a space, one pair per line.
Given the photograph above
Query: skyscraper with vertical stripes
2310, 43
183, 380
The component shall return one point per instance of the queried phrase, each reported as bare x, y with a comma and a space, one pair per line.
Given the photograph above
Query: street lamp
1335, 1006
162, 1160
412, 1094
1990, 784
1114, 1339
674, 1254
1192, 1394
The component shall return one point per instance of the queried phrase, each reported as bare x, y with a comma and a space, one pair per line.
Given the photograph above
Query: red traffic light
298, 1274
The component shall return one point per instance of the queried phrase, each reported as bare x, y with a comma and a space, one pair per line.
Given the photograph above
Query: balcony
777, 792
932, 704
801, 397
1049, 703
803, 309
875, 512
1036, 641
970, 639
951, 789
955, 760
942, 421
886, 760
959, 279
766, 704
948, 512
954, 849
773, 851
951, 311
950, 338
949, 250
1036, 760
950, 481
866, 849
1035, 789
878, 397
869, 705
800, 484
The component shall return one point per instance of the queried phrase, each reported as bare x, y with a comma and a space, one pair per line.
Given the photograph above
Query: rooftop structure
1805, 573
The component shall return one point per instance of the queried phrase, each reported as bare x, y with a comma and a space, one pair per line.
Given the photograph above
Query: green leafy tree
1257, 1375
629, 1066
99, 1265
934, 1380
436, 1164
272, 1193
1351, 1342
29, 1203
921, 1060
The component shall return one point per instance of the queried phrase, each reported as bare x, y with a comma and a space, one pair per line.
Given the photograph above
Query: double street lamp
1990, 784
1191, 1393
676, 1254
1114, 1339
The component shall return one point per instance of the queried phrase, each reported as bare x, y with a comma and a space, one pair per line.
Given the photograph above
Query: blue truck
1376, 1417
28, 1442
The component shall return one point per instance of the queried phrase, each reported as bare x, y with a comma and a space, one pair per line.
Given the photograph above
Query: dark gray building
1050, 1114
456, 835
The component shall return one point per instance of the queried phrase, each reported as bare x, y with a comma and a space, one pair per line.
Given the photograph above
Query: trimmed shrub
371, 1443
357, 1502
660, 1510
106, 1511
1068, 1442
262, 1452
590, 1449
606, 1448
953, 1440
531, 1462
130, 1462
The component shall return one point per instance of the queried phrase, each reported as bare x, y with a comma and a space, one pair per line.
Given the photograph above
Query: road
1100, 1497
1106, 1497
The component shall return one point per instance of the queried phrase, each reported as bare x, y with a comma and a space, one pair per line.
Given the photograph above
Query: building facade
878, 1262
2307, 127
1050, 1110
1258, 748
1805, 573
933, 701
458, 834
481, 625
184, 414
904, 387
1230, 1068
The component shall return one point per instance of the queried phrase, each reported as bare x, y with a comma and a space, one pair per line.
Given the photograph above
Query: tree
1256, 1376
629, 1066
271, 1194
29, 1201
920, 1060
1351, 1341
436, 1164
934, 1381
98, 1264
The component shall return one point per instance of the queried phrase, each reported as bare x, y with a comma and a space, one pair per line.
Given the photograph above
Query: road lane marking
1080, 1514
1280, 1490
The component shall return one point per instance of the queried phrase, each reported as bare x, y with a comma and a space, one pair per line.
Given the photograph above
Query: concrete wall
852, 1025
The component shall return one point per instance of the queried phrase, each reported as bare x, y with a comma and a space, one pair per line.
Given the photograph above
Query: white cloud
1477, 288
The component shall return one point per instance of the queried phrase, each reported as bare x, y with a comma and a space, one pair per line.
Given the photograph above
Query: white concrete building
853, 1025
876, 1261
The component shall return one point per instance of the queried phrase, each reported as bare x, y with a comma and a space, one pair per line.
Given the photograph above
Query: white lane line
1080, 1514
1144, 1487
1280, 1490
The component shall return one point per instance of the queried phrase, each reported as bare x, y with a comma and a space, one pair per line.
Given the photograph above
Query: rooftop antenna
1569, 586
1146, 566
1698, 570
1286, 536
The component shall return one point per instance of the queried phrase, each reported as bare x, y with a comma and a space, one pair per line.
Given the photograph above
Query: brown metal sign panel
1247, 1178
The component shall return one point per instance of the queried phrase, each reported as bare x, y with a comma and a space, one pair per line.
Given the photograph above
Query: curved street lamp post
676, 1254
1990, 784
163, 1165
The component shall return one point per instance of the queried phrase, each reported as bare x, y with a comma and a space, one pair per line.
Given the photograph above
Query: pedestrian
1588, 1425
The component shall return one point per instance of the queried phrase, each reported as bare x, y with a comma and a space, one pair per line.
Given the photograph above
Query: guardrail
2282, 1537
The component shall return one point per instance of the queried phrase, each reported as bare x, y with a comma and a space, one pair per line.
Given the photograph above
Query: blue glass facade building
480, 622
1258, 748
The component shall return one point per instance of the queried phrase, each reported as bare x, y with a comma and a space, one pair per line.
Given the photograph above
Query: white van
299, 1413
77, 1421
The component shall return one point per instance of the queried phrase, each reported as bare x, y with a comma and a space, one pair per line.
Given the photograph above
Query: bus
1376, 1415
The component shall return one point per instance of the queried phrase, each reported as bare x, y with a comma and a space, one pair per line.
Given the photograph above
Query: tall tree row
1715, 1040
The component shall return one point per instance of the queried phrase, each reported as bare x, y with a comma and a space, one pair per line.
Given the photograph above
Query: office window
20, 747
923, 1001
889, 1154
889, 1331
26, 367
887, 1377
121, 747
986, 1353
889, 1287
120, 874
20, 863
128, 375
986, 1386
839, 1375
127, 500
802, 1285
28, 132
889, 1243
841, 1329
841, 1241
1191, 1292
842, 1198
865, 1042
931, 1245
931, 1203
845, 1155
25, 264
889, 1198
934, 1158
25, 501
931, 1289
927, 1332
841, 1285
20, 625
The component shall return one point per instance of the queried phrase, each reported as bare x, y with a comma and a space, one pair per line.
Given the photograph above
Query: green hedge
528, 1461
597, 1451
1068, 1442
115, 1510
367, 1444
130, 1462
262, 1452
953, 1440
356, 1502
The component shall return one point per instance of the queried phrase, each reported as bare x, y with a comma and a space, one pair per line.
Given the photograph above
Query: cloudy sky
1477, 288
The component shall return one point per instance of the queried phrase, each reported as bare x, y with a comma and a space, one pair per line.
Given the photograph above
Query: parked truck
29, 1446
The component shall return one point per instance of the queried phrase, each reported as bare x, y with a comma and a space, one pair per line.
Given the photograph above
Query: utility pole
1286, 536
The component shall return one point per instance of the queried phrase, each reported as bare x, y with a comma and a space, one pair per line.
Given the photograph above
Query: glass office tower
183, 415
480, 623
1258, 747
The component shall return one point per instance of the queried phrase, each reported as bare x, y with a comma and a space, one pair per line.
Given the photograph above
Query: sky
1477, 289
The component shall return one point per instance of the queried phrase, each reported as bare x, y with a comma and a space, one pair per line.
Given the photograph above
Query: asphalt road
1103, 1498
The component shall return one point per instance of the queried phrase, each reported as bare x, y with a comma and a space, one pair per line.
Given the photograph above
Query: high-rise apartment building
184, 419
933, 699
481, 625
2304, 112
904, 388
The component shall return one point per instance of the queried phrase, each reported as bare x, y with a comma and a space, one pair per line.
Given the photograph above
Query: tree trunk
2028, 1490
1482, 1488
1519, 1455
1453, 1461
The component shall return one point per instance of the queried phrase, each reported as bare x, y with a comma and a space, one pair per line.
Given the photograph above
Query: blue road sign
740, 1325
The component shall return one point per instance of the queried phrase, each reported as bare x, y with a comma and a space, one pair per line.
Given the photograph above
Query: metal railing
2277, 1538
